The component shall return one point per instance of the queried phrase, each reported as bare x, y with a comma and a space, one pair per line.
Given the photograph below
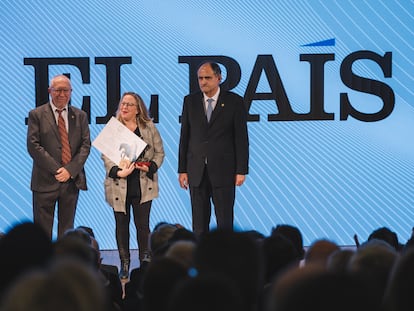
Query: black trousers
141, 214
223, 200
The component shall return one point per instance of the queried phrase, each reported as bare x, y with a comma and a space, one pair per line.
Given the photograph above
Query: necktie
66, 154
209, 108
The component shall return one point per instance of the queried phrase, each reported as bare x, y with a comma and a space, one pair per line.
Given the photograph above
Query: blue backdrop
332, 178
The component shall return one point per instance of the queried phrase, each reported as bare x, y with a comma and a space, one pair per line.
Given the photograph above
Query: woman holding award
132, 184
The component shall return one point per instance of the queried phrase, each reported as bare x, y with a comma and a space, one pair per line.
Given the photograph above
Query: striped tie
66, 154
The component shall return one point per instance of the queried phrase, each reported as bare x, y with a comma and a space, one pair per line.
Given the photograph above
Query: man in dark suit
213, 150
57, 178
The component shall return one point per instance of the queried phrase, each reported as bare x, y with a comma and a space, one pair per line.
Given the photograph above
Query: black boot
124, 272
145, 258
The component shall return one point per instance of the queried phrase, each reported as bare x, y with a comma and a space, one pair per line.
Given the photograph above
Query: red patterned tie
66, 155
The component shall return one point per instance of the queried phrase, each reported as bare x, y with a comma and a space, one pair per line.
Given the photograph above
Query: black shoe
147, 257
124, 273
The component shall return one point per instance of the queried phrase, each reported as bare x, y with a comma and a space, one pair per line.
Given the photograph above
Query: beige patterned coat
115, 189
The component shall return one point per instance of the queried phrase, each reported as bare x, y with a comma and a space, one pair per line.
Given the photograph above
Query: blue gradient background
332, 179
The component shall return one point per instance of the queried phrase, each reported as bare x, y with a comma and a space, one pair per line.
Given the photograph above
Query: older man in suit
213, 150
58, 167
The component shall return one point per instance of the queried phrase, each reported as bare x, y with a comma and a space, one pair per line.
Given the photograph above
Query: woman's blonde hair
142, 116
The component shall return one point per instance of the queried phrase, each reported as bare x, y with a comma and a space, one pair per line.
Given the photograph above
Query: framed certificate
118, 143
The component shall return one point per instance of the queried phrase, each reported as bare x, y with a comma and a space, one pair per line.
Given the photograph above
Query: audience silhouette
371, 265
218, 270
161, 277
205, 294
385, 234
24, 247
235, 255
293, 234
338, 261
398, 294
66, 285
319, 252
313, 287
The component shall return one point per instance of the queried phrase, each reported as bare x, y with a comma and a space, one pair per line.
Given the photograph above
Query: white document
118, 143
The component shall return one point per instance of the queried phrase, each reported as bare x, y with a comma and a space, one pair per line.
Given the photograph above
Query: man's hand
183, 180
62, 175
239, 180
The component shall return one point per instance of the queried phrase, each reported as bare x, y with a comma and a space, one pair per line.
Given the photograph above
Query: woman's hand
126, 171
142, 166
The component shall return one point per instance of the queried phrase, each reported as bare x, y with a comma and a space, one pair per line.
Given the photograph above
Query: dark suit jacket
223, 141
44, 146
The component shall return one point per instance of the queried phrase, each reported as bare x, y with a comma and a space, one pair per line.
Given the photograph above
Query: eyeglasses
64, 91
128, 104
